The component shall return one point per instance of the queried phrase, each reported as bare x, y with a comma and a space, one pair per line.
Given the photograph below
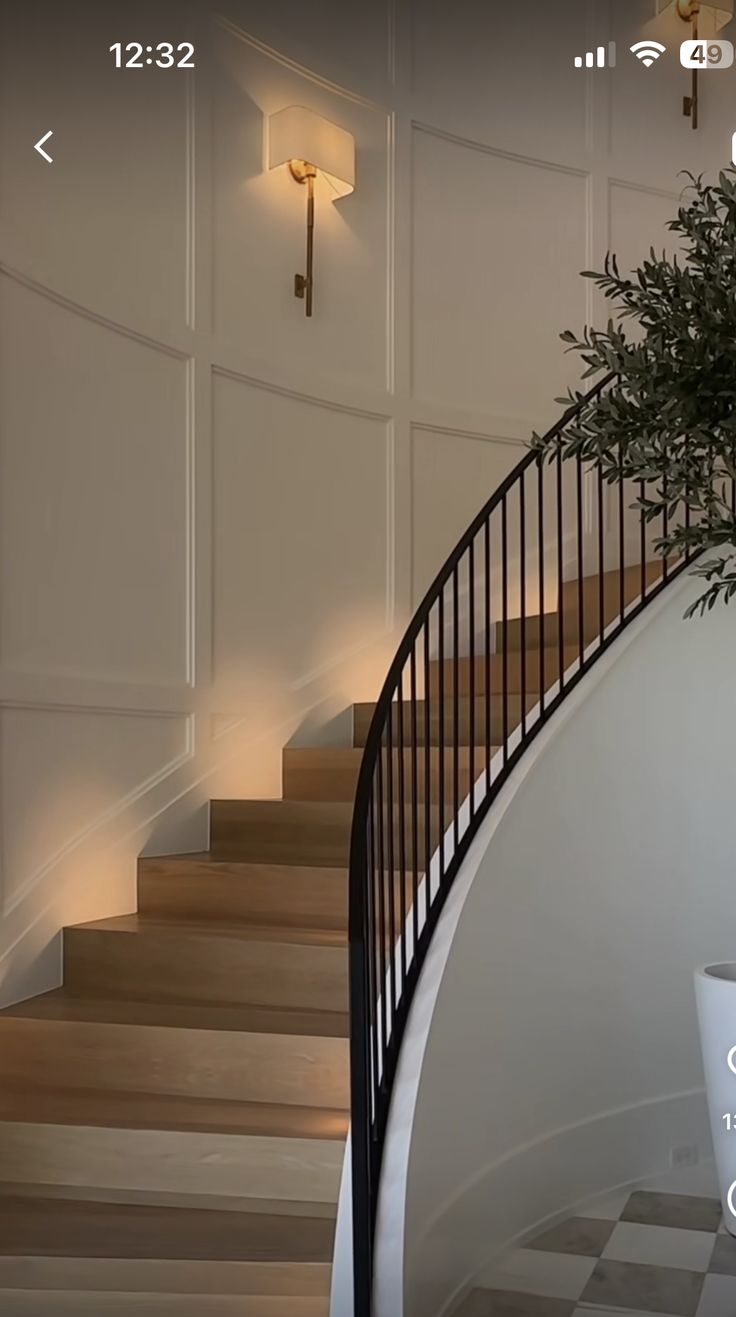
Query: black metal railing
547, 575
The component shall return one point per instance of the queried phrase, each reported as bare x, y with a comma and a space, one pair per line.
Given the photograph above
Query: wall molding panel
184, 490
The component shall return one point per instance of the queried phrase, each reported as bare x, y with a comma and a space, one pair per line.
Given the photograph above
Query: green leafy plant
668, 419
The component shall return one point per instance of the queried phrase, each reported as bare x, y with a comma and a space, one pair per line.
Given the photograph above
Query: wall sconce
714, 16
311, 145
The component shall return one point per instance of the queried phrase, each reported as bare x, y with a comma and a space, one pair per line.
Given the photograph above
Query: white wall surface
214, 515
552, 1050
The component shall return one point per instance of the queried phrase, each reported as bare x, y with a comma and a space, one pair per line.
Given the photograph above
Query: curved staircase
173, 1119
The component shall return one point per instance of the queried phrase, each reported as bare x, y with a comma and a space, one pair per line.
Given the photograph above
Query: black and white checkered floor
654, 1251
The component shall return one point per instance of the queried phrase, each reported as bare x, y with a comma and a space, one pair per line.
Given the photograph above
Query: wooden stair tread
220, 860
53, 1227
142, 925
278, 830
142, 1303
155, 1111
62, 1005
143, 1279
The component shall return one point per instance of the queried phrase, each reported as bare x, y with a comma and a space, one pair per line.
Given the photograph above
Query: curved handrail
385, 951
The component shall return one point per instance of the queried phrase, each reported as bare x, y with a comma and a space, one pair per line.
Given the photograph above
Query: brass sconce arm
304, 172
689, 11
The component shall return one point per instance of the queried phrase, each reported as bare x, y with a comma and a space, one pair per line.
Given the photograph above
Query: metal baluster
375, 987
402, 830
665, 522
455, 706
378, 783
643, 543
441, 734
621, 544
560, 583
391, 864
581, 565
601, 561
427, 773
505, 624
522, 573
471, 678
414, 798
540, 533
489, 664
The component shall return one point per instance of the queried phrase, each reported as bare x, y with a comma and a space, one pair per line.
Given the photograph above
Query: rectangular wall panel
61, 772
503, 74
498, 245
638, 221
93, 491
301, 505
107, 223
347, 41
452, 476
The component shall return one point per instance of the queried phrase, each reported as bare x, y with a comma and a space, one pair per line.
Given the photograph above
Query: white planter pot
715, 994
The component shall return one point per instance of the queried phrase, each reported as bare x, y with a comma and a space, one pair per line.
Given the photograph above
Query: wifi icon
647, 51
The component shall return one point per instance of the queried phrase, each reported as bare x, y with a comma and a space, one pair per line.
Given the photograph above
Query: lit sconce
311, 145
704, 20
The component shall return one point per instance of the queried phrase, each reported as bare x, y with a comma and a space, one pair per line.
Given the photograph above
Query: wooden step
470, 714
532, 632
68, 1256
122, 1272
539, 664
569, 623
132, 1110
331, 773
38, 1226
611, 589
140, 1050
221, 1164
63, 1303
205, 887
281, 832
61, 1004
319, 832
134, 957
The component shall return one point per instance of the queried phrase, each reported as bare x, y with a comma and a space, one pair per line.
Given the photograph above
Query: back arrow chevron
39, 146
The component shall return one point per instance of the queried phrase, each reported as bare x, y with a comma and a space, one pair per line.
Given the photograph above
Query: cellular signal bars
597, 58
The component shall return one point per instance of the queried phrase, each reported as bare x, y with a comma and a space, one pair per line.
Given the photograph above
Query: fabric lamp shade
296, 133
715, 15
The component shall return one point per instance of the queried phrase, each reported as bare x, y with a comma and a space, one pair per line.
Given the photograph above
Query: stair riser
333, 774
532, 677
168, 967
611, 589
134, 1164
498, 717
267, 894
570, 618
239, 838
192, 1063
531, 632
55, 1303
261, 835
136, 1276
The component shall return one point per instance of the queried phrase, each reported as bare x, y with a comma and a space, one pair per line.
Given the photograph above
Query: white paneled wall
214, 513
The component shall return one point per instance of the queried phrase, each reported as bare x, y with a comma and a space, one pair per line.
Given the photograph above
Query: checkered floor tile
645, 1254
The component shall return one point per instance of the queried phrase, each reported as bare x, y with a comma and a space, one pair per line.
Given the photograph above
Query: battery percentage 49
706, 54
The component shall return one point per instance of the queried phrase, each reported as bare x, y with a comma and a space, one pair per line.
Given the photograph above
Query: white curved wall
553, 1048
